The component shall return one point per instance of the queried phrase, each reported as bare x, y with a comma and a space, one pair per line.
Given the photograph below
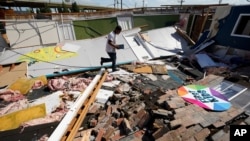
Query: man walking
111, 47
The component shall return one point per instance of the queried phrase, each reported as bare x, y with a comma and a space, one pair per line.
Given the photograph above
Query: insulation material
24, 84
10, 73
15, 119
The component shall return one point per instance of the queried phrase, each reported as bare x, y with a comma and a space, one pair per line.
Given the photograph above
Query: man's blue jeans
112, 59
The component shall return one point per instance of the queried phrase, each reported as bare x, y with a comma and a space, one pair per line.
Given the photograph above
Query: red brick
166, 136
144, 120
218, 124
108, 111
202, 134
92, 122
175, 123
110, 130
127, 126
139, 134
181, 129
117, 136
119, 121
187, 134
100, 134
190, 139
147, 91
109, 122
94, 108
162, 98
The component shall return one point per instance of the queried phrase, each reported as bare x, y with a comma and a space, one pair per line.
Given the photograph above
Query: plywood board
143, 69
10, 73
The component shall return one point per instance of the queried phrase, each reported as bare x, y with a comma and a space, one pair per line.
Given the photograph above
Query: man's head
118, 29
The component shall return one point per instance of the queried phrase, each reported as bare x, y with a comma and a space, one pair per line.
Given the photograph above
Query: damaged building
172, 84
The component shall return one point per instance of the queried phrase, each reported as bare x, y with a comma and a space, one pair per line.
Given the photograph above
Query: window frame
237, 24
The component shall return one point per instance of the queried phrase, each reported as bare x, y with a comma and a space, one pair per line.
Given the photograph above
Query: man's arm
112, 44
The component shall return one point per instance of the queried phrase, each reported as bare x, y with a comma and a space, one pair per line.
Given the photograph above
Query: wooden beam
75, 125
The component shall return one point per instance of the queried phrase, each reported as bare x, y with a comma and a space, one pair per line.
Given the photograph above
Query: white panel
205, 61
22, 34
230, 90
71, 47
51, 101
125, 22
138, 49
66, 32
48, 32
103, 95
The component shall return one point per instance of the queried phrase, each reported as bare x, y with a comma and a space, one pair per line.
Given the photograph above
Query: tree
74, 7
59, 9
64, 8
38, 11
30, 10
45, 9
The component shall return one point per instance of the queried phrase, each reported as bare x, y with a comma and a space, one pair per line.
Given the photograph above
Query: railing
100, 14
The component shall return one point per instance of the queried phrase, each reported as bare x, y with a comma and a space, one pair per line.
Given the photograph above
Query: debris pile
138, 102
142, 107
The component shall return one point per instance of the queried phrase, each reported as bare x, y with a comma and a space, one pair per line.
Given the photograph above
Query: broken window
242, 26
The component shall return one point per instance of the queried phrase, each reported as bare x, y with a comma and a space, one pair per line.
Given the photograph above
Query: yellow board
143, 69
46, 54
15, 119
24, 84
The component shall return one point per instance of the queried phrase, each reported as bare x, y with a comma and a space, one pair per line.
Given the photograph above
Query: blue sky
153, 3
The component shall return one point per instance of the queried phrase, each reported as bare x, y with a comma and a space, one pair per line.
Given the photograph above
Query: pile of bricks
140, 113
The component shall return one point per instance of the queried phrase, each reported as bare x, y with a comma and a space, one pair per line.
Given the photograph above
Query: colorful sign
46, 54
205, 97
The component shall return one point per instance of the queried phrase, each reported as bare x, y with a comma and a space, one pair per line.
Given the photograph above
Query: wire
18, 31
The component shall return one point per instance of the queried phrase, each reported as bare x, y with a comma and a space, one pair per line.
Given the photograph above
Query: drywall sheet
48, 32
31, 33
22, 34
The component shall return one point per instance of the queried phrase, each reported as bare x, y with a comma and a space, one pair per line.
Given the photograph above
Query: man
111, 47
